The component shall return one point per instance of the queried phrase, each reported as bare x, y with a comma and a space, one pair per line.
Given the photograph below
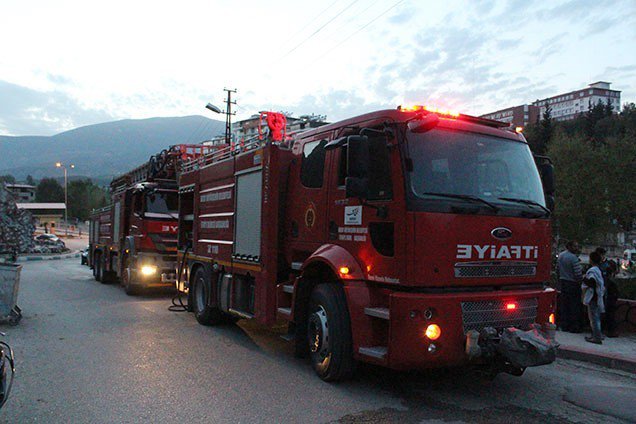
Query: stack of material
16, 225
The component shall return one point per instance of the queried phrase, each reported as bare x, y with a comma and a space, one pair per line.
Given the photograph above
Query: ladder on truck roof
160, 167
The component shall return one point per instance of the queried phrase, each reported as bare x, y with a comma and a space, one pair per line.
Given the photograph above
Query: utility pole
60, 165
228, 114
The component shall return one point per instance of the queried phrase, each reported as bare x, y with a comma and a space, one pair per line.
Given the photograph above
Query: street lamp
60, 165
213, 108
227, 112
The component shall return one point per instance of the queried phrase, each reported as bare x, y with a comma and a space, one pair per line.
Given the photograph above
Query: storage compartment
248, 215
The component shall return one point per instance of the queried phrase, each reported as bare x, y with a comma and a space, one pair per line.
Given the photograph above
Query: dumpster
9, 284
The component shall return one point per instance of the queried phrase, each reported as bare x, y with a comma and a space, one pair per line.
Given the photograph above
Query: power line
357, 31
196, 130
304, 27
336, 31
319, 29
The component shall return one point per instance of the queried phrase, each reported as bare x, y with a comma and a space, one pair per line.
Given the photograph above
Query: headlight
148, 269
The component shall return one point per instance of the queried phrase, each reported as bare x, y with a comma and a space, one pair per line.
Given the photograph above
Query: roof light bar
432, 109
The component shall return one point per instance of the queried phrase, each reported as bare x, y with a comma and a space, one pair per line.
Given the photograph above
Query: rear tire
329, 333
105, 277
201, 292
97, 267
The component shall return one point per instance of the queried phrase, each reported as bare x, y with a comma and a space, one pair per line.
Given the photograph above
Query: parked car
84, 256
52, 242
40, 248
48, 239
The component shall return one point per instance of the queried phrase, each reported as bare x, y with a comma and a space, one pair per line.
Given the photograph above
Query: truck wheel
201, 291
105, 277
97, 268
329, 333
127, 279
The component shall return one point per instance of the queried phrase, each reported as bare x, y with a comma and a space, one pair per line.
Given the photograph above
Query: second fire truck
134, 239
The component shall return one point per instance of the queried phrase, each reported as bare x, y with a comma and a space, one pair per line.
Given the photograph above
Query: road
87, 353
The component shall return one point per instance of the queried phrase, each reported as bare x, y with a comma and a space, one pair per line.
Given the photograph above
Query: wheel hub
319, 333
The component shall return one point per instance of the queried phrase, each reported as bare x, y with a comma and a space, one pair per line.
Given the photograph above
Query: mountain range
101, 151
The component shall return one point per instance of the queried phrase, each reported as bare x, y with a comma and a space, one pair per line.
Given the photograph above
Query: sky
65, 64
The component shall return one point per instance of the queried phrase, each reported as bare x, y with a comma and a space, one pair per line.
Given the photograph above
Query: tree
9, 179
30, 180
49, 190
540, 133
595, 174
595, 113
579, 211
83, 197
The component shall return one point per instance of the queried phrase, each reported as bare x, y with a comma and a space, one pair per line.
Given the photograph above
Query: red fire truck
410, 238
134, 239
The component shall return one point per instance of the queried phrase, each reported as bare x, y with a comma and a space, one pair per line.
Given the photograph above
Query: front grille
493, 313
495, 269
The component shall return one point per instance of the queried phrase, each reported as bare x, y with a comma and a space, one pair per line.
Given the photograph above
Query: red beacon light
432, 109
511, 306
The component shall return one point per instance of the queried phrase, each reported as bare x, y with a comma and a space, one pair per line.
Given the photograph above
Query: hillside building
248, 128
569, 105
516, 116
23, 193
564, 106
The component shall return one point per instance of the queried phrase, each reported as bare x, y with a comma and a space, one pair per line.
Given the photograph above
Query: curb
48, 258
609, 360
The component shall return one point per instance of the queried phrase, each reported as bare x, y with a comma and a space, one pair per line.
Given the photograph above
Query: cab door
307, 199
372, 228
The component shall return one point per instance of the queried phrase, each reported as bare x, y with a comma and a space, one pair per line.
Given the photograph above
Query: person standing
593, 290
611, 301
570, 276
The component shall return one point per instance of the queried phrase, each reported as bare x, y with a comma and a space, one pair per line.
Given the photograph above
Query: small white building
50, 215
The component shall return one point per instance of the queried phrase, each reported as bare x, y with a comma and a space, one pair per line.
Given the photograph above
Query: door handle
333, 230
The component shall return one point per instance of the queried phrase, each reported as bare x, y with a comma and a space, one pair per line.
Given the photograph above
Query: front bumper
165, 275
411, 313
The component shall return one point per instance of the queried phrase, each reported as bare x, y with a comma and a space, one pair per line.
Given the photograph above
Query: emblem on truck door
501, 233
310, 216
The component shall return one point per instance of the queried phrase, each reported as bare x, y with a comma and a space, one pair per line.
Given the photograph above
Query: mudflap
526, 348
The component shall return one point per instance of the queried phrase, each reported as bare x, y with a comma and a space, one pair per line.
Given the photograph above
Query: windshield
164, 203
463, 164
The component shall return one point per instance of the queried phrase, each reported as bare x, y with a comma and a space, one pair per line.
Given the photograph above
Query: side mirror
547, 177
358, 156
424, 124
549, 202
357, 187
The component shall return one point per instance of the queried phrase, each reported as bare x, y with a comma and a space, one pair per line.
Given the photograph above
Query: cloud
24, 111
402, 16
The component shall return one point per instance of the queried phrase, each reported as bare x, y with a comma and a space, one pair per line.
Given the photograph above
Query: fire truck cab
408, 238
134, 239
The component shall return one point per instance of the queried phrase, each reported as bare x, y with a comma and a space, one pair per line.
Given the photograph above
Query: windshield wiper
526, 202
464, 197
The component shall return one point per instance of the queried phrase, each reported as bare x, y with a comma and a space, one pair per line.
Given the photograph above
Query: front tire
127, 278
329, 333
201, 295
